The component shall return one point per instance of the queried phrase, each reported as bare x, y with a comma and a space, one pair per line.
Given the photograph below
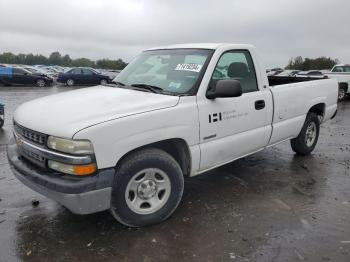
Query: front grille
33, 136
33, 157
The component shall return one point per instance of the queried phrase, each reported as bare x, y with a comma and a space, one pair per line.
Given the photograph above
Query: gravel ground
271, 206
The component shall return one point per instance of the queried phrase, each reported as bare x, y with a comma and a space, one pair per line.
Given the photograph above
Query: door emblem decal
226, 115
215, 117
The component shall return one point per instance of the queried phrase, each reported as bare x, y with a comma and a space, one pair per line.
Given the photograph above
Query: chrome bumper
81, 195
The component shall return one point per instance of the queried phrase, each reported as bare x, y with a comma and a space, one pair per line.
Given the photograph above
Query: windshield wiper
154, 89
118, 83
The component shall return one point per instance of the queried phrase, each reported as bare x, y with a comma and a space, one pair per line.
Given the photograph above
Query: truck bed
293, 101
283, 80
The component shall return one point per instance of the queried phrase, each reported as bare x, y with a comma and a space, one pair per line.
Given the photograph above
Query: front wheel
40, 83
1, 122
341, 93
147, 189
307, 139
70, 82
103, 82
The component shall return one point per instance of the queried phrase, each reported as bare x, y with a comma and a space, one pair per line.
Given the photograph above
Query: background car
82, 76
43, 70
311, 73
36, 70
274, 71
110, 73
289, 73
20, 76
50, 71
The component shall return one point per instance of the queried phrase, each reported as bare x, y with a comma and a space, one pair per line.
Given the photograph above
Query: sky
113, 29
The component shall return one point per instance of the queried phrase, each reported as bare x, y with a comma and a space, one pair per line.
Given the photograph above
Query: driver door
89, 77
233, 127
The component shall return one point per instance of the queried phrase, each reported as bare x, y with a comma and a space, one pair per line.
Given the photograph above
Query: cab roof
212, 46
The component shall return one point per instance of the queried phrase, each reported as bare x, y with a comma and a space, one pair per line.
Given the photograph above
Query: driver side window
87, 71
76, 71
18, 71
236, 65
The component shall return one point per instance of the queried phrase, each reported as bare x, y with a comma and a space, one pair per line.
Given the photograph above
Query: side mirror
225, 88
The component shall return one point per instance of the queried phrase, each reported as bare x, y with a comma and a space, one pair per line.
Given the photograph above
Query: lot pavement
272, 206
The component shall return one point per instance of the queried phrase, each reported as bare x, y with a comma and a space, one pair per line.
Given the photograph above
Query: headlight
70, 146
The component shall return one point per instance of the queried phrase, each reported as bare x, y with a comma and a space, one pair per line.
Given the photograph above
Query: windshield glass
174, 70
345, 69
31, 70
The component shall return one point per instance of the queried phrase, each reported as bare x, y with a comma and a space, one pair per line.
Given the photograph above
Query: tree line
56, 58
320, 63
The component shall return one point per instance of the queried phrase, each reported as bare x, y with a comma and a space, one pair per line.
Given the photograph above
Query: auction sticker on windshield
189, 67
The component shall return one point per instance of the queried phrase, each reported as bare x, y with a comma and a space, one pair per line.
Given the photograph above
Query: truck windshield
345, 69
174, 71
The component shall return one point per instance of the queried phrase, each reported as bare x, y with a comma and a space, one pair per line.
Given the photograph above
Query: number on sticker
188, 67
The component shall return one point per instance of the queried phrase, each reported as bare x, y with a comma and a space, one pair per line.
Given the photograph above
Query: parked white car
310, 73
128, 148
342, 74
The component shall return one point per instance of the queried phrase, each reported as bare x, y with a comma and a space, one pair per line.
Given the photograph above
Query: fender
113, 139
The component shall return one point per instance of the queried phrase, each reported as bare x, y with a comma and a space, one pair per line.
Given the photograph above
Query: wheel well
318, 109
344, 85
176, 147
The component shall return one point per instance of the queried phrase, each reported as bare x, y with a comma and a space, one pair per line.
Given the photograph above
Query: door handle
260, 104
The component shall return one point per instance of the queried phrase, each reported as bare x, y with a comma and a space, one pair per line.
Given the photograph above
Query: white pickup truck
174, 111
342, 74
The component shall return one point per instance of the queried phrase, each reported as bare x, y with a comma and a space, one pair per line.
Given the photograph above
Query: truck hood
66, 113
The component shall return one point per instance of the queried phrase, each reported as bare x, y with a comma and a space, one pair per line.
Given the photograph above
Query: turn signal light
84, 170
78, 170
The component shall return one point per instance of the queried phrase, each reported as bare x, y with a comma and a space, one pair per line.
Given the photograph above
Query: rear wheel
1, 122
341, 93
70, 82
306, 141
40, 82
147, 189
103, 82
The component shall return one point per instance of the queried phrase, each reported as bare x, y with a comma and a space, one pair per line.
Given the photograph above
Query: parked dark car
83, 76
20, 76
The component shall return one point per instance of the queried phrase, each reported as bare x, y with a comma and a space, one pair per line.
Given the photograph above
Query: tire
1, 122
307, 139
40, 83
70, 82
341, 93
103, 82
147, 188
